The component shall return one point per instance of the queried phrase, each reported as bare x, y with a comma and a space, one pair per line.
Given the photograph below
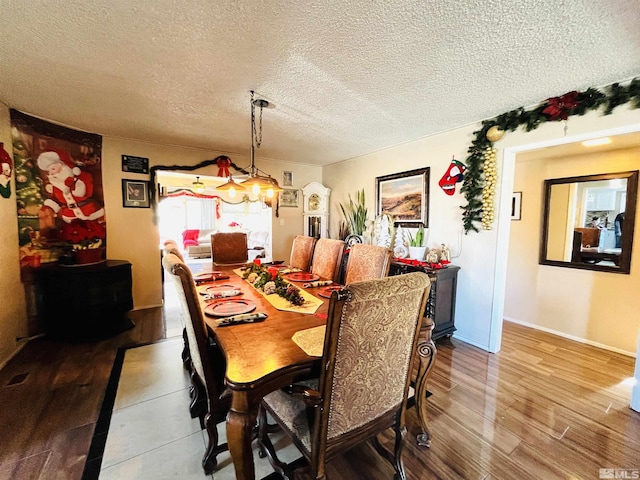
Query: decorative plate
303, 277
219, 288
225, 308
351, 240
326, 291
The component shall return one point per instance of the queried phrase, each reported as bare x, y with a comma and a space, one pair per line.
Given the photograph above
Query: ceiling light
198, 186
230, 187
597, 141
259, 182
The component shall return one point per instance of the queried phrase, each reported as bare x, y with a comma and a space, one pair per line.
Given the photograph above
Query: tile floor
152, 435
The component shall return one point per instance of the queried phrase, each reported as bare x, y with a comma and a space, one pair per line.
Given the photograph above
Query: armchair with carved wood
363, 385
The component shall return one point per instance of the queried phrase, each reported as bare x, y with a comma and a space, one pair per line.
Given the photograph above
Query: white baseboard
571, 337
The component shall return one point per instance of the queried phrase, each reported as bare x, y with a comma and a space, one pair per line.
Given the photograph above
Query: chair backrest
170, 246
327, 258
210, 371
590, 237
302, 252
367, 262
229, 248
364, 383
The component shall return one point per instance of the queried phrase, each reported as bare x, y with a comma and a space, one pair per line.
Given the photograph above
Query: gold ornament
494, 134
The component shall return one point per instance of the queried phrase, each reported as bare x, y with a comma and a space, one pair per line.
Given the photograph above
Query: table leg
426, 357
241, 421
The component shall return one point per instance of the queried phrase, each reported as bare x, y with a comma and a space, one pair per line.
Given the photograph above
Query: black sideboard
441, 305
85, 302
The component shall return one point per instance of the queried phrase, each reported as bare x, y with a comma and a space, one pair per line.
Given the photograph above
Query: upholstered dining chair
171, 246
210, 402
327, 258
363, 385
367, 262
302, 252
229, 248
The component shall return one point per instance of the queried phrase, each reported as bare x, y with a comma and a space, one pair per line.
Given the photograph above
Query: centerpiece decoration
85, 240
269, 280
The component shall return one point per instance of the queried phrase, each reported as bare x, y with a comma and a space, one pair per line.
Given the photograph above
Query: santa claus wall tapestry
59, 193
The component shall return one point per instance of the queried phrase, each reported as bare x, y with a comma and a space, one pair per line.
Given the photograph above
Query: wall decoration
453, 175
552, 109
135, 193
287, 179
516, 206
404, 196
133, 164
6, 167
288, 198
59, 194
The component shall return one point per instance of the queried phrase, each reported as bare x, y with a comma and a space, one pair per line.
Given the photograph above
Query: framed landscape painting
404, 196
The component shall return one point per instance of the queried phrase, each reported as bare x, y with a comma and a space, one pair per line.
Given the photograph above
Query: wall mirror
588, 221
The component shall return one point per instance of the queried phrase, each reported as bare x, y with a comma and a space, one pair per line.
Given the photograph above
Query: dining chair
229, 248
327, 258
363, 385
171, 246
367, 262
211, 401
302, 252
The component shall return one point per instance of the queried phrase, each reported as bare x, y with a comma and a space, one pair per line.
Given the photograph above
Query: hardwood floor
543, 408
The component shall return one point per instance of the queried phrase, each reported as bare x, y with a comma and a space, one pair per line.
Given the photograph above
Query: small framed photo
516, 206
289, 198
287, 179
135, 193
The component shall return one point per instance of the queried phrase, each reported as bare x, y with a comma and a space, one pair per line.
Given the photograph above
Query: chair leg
186, 355
210, 459
266, 447
198, 406
396, 458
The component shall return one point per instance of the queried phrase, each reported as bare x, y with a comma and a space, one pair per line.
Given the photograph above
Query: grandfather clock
316, 210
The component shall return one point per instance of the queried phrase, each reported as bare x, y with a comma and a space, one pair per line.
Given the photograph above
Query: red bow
223, 166
558, 107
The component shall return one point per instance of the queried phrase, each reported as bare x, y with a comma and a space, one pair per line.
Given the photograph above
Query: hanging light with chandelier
198, 186
260, 183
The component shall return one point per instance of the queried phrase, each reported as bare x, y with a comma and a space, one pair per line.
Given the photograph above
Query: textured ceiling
344, 78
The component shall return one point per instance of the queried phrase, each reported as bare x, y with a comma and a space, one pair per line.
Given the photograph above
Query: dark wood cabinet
441, 306
85, 302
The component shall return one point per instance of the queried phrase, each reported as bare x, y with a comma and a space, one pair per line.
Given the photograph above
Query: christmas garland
269, 281
477, 183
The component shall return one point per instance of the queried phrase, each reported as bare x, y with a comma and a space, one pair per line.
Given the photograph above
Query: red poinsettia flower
81, 232
558, 108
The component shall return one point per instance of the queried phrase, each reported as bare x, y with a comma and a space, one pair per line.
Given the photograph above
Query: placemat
311, 340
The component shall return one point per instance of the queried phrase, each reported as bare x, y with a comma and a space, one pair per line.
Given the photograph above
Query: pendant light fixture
259, 182
230, 187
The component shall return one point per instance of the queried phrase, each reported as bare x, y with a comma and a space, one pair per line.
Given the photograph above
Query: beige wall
131, 232
483, 257
599, 307
13, 314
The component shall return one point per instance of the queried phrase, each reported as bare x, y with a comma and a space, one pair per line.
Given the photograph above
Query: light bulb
270, 192
232, 192
256, 189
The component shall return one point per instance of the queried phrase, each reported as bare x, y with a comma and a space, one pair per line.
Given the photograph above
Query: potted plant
416, 247
355, 214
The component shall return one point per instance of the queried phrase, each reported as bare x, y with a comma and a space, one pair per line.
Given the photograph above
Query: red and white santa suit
71, 189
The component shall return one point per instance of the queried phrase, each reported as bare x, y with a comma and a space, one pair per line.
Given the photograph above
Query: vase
417, 253
89, 256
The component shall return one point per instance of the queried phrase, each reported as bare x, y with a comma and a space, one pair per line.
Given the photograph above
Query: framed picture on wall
135, 193
287, 179
404, 196
289, 198
516, 206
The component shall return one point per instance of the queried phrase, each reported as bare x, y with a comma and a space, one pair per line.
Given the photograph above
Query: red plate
210, 277
326, 291
219, 288
225, 308
303, 277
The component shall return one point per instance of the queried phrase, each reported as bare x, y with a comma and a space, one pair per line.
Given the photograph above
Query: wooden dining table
262, 357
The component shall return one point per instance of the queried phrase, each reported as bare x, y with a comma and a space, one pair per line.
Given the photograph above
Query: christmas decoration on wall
453, 175
489, 190
552, 109
223, 163
6, 167
59, 194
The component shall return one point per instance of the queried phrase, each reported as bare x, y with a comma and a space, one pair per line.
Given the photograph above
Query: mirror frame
629, 219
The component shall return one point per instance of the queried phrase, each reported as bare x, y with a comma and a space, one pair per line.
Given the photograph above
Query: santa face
58, 173
453, 175
6, 169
